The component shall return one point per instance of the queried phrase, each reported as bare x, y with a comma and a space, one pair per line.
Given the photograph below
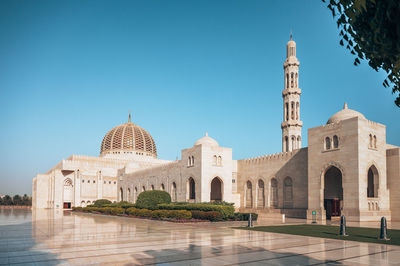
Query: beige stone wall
278, 166
353, 158
203, 170
393, 175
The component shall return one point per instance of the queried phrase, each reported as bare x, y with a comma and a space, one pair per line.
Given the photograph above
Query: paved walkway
54, 238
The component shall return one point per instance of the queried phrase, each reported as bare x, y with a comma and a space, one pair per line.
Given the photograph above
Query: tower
291, 125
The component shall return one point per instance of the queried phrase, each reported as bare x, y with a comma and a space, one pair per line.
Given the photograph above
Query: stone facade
347, 168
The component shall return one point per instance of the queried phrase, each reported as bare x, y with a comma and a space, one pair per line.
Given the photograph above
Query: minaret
291, 125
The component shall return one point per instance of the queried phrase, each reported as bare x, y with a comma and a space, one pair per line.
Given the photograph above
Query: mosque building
347, 168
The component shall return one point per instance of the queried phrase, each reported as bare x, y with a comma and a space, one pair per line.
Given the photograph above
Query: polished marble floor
65, 238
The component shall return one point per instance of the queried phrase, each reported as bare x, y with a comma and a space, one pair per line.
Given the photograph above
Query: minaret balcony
291, 91
292, 123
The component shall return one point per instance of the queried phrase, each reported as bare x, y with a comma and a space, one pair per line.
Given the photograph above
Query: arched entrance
121, 194
216, 189
135, 194
68, 194
129, 195
191, 189
333, 192
249, 194
261, 194
373, 182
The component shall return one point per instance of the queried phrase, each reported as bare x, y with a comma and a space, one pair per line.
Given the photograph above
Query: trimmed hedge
101, 202
159, 214
211, 216
121, 204
227, 211
150, 199
244, 216
105, 210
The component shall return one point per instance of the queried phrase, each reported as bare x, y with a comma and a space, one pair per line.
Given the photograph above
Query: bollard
250, 223
383, 234
343, 226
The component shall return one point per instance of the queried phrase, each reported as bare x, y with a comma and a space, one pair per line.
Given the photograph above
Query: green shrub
150, 199
211, 216
227, 211
121, 204
116, 211
101, 202
244, 216
160, 214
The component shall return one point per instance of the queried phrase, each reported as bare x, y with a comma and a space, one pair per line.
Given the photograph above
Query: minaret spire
291, 125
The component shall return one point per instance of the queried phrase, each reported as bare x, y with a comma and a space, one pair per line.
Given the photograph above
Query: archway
121, 194
191, 189
274, 193
373, 182
261, 194
162, 187
333, 192
288, 193
135, 195
216, 189
173, 192
249, 194
129, 195
68, 194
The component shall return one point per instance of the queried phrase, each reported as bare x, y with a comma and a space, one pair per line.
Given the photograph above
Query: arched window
152, 187
143, 188
274, 193
287, 111
288, 193
189, 161
373, 182
121, 194
298, 142
293, 143
335, 142
192, 189
162, 187
297, 110
215, 159
375, 141
286, 143
296, 80
192, 160
287, 80
219, 162
129, 195
327, 143
292, 110
291, 79
370, 140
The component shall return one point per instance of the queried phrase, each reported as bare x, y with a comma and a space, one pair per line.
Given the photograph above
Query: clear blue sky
71, 70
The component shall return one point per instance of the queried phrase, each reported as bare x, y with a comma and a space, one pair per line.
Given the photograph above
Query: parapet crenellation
271, 157
162, 167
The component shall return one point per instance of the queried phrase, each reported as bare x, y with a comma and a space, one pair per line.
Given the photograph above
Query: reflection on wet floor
56, 237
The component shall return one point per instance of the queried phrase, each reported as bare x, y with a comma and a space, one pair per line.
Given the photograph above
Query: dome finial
206, 133
129, 116
345, 106
290, 34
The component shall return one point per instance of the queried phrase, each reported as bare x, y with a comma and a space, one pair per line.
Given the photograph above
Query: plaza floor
65, 238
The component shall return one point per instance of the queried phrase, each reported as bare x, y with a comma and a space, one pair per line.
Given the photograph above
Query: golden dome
128, 138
